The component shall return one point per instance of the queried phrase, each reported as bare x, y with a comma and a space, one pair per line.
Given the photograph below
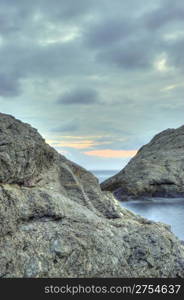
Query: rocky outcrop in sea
157, 170
56, 222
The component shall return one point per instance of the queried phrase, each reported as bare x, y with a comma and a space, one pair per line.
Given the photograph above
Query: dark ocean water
166, 210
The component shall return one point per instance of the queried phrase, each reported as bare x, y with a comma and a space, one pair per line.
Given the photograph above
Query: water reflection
169, 211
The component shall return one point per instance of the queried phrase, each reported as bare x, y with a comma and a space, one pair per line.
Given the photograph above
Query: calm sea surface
166, 210
104, 174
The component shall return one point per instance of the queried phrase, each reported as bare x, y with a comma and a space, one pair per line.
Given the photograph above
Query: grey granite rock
23, 152
56, 222
156, 170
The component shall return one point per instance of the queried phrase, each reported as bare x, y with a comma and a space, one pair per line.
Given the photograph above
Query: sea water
104, 174
165, 210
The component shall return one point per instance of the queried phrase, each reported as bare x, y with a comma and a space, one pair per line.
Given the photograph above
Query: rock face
157, 170
56, 222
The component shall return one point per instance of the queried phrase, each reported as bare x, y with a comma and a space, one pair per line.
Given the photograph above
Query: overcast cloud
97, 78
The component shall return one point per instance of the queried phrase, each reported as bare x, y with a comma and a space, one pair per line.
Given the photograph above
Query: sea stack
157, 170
56, 222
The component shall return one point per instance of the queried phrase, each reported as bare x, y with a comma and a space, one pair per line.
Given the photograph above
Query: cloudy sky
97, 78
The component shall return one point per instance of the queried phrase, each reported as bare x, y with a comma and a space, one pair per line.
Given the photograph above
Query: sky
97, 78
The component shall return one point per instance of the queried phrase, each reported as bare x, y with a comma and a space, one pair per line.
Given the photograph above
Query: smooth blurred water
169, 211
166, 210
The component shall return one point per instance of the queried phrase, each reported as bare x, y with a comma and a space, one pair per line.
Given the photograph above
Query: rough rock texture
156, 170
56, 222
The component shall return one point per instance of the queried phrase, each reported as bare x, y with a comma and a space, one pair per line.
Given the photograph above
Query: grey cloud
107, 32
175, 52
71, 59
9, 86
71, 126
110, 62
77, 96
66, 9
132, 43
167, 12
20, 62
14, 16
122, 42
131, 55
54, 10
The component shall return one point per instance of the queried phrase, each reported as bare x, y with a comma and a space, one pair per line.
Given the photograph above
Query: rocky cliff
56, 222
157, 170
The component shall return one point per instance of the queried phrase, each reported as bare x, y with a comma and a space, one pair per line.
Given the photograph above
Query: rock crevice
56, 222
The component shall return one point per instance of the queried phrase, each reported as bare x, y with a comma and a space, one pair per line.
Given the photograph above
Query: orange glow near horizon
78, 144
109, 153
73, 144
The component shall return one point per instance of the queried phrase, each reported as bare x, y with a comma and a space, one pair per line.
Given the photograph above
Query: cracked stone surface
56, 222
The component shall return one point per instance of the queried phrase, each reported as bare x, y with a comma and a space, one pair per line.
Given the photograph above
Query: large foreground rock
157, 170
56, 222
